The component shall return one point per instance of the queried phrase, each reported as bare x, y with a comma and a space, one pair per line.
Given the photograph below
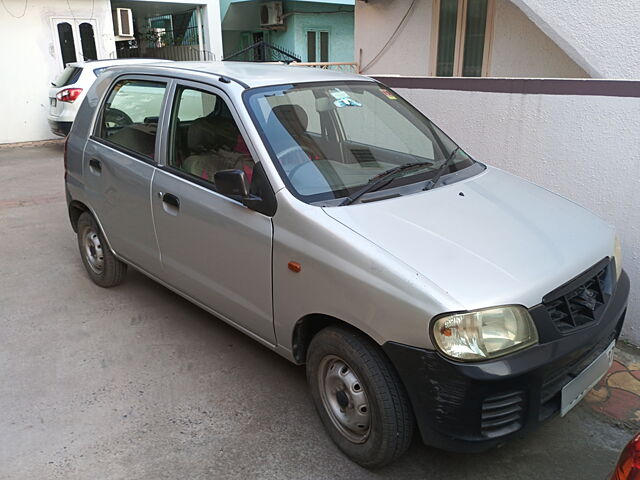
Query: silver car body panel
493, 239
385, 267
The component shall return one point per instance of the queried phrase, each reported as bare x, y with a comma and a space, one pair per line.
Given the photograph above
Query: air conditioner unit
123, 22
271, 14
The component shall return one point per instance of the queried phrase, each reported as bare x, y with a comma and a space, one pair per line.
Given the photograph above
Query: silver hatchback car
325, 217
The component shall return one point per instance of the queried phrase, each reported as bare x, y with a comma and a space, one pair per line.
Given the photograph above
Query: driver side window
205, 138
130, 116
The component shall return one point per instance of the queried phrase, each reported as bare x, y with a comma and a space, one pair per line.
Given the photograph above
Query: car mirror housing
232, 183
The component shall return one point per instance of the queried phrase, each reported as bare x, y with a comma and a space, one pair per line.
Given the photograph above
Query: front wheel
359, 397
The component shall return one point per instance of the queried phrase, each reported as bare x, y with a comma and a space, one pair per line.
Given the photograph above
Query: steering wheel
117, 117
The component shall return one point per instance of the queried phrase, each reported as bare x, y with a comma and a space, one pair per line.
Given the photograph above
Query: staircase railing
263, 52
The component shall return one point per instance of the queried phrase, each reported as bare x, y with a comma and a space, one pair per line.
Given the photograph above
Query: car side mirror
232, 183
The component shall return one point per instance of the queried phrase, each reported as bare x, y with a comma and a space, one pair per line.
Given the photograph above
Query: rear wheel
359, 397
101, 265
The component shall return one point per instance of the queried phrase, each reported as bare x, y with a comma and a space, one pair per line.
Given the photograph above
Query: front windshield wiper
381, 180
441, 169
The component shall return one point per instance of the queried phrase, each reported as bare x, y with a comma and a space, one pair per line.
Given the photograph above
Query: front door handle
170, 203
172, 200
95, 166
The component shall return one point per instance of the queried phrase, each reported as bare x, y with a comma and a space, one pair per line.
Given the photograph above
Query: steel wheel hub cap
93, 250
344, 399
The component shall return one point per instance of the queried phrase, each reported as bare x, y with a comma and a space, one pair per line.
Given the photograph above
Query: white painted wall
375, 22
520, 49
29, 61
212, 24
586, 148
600, 36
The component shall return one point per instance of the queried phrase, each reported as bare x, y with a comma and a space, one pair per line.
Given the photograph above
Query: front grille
580, 302
502, 414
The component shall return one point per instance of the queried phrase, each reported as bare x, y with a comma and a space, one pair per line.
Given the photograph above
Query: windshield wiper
441, 169
381, 180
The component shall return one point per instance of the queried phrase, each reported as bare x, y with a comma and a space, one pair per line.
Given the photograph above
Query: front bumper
60, 128
471, 407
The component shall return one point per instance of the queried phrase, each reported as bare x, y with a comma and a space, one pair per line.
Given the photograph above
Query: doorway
75, 39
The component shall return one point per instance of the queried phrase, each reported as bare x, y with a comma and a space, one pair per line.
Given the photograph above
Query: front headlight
617, 253
484, 334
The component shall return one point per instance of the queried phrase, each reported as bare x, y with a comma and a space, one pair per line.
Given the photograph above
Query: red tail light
69, 94
628, 467
64, 156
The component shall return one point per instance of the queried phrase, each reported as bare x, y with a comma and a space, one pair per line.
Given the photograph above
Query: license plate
577, 388
53, 101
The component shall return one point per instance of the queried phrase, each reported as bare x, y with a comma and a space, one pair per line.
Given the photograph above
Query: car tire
359, 397
101, 264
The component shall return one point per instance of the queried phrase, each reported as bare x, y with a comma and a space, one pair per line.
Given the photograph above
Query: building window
67, 43
88, 42
462, 37
317, 46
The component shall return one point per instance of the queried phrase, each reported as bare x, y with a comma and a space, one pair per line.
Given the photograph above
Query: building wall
602, 37
30, 63
585, 148
300, 17
376, 21
305, 17
520, 48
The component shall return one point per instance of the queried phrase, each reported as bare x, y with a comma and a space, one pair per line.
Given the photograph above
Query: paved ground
135, 382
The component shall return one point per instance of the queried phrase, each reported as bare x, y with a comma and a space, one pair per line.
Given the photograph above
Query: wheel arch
309, 325
76, 209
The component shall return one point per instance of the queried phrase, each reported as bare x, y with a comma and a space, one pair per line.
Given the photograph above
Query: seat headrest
292, 117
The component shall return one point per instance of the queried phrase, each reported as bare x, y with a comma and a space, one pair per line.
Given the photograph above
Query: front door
75, 39
213, 248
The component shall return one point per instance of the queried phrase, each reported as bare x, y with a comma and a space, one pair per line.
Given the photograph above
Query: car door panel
118, 166
212, 248
216, 251
118, 193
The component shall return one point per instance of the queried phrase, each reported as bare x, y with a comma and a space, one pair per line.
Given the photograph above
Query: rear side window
69, 76
129, 117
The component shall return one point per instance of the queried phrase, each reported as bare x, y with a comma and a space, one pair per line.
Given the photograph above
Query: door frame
75, 29
164, 129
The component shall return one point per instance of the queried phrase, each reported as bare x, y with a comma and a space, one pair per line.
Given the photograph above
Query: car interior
209, 143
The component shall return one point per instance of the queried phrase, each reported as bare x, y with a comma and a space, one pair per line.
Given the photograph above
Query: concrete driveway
135, 382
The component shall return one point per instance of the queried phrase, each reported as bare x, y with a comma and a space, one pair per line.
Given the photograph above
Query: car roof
253, 74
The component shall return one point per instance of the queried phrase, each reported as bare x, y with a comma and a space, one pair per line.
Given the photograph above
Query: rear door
119, 163
213, 248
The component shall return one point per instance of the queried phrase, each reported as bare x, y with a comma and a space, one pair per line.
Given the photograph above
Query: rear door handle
170, 203
95, 166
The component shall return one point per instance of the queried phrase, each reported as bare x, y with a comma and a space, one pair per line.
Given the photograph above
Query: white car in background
68, 90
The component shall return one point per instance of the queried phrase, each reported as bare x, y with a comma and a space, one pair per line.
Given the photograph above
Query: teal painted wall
303, 16
339, 26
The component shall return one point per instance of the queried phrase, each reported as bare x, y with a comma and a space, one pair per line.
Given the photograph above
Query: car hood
493, 239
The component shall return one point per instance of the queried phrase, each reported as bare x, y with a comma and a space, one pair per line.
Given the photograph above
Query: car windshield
330, 140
